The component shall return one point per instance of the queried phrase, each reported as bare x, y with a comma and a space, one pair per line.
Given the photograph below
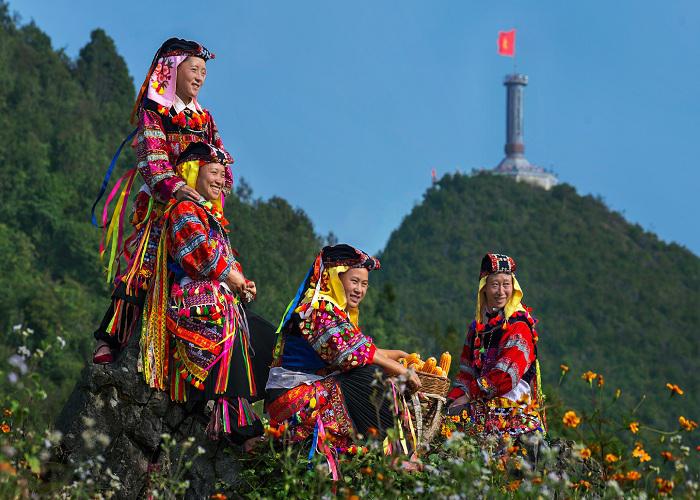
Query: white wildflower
61, 341
17, 327
12, 377
24, 351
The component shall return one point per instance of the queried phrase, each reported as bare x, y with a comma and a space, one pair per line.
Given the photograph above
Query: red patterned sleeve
336, 340
515, 355
466, 374
152, 157
200, 256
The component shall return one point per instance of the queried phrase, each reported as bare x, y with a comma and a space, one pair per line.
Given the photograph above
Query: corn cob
429, 365
445, 361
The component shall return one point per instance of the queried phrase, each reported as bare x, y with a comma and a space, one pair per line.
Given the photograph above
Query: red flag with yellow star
506, 43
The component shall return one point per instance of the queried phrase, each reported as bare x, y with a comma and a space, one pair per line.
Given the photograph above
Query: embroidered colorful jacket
202, 314
162, 136
496, 356
499, 375
323, 340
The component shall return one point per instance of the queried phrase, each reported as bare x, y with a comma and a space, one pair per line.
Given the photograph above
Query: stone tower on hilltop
515, 164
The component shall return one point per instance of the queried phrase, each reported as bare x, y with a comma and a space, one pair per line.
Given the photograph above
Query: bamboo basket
427, 413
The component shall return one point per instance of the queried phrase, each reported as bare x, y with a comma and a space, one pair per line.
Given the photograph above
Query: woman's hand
187, 193
413, 380
236, 282
250, 291
394, 354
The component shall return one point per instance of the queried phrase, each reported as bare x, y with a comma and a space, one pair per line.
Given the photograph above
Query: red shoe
102, 355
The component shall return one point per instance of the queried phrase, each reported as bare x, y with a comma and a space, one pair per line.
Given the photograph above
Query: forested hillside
60, 122
610, 297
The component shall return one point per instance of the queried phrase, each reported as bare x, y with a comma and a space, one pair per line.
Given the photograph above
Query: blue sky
343, 108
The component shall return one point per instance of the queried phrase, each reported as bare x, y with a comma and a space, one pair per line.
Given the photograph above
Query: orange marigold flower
380, 476
674, 389
7, 412
446, 431
218, 496
513, 485
564, 368
589, 376
5, 427
601, 381
634, 427
372, 432
7, 468
668, 456
619, 477
570, 419
585, 453
611, 458
367, 471
665, 486
633, 475
687, 424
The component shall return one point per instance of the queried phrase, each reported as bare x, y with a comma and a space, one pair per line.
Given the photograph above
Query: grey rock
113, 414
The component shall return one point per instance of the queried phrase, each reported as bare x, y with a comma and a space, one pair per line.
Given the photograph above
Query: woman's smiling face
355, 282
191, 74
211, 180
498, 290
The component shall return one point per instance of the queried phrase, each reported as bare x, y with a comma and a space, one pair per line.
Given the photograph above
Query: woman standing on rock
497, 390
169, 119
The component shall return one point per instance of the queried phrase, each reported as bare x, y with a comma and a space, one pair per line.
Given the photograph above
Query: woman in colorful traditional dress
169, 119
326, 377
205, 354
497, 390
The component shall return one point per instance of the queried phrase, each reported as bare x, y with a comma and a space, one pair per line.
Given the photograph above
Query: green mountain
610, 296
60, 122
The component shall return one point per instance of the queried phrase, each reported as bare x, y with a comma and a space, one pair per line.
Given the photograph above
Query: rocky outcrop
113, 414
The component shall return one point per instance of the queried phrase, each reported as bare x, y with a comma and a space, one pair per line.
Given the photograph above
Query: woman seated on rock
326, 374
195, 335
497, 390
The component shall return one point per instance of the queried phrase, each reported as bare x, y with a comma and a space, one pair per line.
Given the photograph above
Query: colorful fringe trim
220, 420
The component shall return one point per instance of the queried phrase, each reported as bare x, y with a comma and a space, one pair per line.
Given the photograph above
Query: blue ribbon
295, 301
105, 182
314, 443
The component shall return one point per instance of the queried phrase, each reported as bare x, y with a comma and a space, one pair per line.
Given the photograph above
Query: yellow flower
611, 458
674, 389
570, 419
585, 453
687, 424
634, 427
589, 376
564, 369
445, 431
639, 453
